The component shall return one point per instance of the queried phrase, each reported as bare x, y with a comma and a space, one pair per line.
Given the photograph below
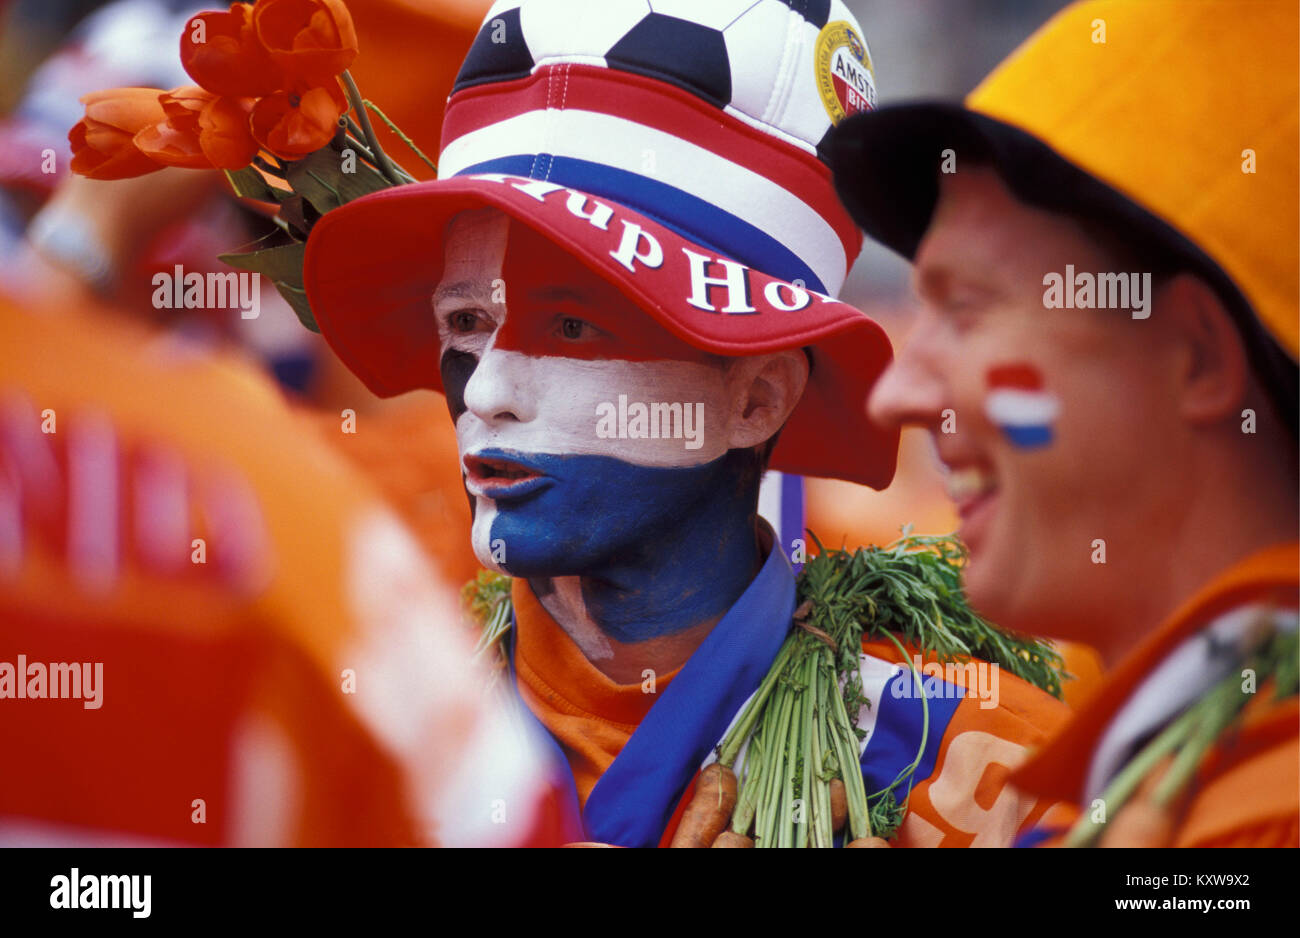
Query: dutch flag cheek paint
1019, 404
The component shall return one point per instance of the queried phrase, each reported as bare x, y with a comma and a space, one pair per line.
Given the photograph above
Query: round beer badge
846, 80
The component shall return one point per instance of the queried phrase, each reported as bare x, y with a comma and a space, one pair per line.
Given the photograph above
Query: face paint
1020, 406
474, 254
531, 383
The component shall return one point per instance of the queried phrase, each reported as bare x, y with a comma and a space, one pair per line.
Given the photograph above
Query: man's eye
963, 314
464, 321
574, 329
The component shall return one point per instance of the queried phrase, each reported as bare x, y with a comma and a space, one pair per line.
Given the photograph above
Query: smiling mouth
968, 486
974, 490
496, 477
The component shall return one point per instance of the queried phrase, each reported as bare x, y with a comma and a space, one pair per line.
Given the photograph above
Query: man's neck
654, 613
1224, 515
621, 662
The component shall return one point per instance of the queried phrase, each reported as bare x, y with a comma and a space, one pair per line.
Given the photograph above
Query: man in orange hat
1105, 241
623, 283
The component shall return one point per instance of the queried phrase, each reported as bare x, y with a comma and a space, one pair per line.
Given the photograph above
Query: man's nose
911, 392
502, 387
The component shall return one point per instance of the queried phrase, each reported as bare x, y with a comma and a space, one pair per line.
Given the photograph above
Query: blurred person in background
280, 663
81, 242
215, 631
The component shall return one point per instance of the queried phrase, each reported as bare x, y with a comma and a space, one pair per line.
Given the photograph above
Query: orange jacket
1247, 791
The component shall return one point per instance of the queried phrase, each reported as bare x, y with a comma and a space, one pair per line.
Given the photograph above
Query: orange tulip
222, 53
103, 142
225, 133
201, 131
312, 41
292, 124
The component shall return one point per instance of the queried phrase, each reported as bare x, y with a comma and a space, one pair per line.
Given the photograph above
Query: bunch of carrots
788, 772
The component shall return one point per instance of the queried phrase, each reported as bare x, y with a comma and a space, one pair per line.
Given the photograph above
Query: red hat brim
372, 265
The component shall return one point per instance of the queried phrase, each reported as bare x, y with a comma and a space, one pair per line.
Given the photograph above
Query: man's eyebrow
938, 280
460, 290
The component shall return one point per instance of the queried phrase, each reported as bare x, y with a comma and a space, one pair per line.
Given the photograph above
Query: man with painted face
1124, 460
623, 284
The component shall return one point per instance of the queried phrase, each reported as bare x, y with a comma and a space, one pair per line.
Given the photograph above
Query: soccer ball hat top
674, 147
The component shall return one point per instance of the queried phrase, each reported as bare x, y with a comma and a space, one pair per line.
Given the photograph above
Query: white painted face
564, 394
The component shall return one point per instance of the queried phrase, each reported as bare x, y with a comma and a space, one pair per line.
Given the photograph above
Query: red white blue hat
677, 148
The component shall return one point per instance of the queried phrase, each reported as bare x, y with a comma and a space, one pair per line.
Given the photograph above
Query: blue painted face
593, 443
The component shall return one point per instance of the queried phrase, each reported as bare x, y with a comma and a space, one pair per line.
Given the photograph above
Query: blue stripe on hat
679, 211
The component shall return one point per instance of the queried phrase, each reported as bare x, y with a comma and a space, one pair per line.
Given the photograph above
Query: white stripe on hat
694, 170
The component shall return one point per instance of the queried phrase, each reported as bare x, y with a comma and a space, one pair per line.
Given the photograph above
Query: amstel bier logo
846, 80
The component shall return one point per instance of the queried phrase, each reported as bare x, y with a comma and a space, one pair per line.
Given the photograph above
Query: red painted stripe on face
1018, 375
555, 305
635, 97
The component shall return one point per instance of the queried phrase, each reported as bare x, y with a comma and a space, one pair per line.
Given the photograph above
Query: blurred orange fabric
165, 514
408, 448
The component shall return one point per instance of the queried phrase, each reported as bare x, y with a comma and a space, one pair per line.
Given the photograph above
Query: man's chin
526, 547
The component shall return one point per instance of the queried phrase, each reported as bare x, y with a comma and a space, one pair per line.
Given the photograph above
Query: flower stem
384, 164
405, 139
353, 139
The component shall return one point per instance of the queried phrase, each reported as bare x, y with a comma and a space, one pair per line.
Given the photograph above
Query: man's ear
764, 392
1214, 374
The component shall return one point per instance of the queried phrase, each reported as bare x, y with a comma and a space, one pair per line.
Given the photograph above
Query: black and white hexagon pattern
755, 58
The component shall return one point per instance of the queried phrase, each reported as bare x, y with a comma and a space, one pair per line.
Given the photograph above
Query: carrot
839, 804
732, 839
868, 842
710, 809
